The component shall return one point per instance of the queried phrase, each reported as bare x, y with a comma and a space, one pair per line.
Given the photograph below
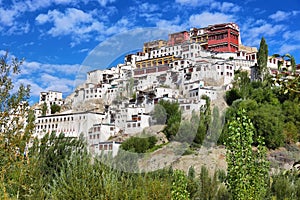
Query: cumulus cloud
171, 25
252, 31
282, 16
148, 7
74, 22
105, 2
45, 76
207, 18
225, 7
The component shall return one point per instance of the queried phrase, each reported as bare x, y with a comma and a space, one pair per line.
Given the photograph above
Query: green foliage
55, 108
262, 59
159, 114
216, 126
268, 122
44, 109
204, 122
138, 144
173, 118
82, 178
247, 170
285, 185
290, 133
187, 130
242, 83
51, 153
14, 132
232, 95
179, 186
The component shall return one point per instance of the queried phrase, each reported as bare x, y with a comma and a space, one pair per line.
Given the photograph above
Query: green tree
16, 127
139, 144
50, 154
262, 59
173, 118
242, 83
55, 108
179, 186
247, 169
187, 130
44, 109
159, 114
232, 95
216, 126
268, 122
204, 122
284, 58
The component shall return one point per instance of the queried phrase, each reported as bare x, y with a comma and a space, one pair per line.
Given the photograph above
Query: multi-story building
191, 64
224, 37
50, 98
71, 124
178, 38
153, 45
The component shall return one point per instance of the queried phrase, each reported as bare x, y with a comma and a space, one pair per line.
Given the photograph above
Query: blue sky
56, 36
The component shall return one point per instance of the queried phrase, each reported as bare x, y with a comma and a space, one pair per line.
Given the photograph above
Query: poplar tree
262, 59
16, 127
247, 168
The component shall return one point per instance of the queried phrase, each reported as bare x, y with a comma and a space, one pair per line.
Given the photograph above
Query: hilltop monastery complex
120, 100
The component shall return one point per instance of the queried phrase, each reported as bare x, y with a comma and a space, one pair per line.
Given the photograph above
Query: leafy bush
139, 145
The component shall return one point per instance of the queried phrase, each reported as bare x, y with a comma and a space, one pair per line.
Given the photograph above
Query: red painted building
223, 37
178, 38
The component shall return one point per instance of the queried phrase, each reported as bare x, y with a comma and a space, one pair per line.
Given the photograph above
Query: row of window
105, 146
218, 37
227, 73
227, 67
97, 129
93, 97
59, 119
133, 125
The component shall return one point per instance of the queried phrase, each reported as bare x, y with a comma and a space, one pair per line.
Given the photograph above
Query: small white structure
51, 98
106, 148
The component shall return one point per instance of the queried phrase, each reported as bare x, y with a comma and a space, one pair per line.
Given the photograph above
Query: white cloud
282, 16
288, 48
148, 7
7, 16
171, 25
45, 76
105, 2
36, 67
252, 31
266, 30
120, 26
74, 22
194, 2
206, 18
295, 35
225, 7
